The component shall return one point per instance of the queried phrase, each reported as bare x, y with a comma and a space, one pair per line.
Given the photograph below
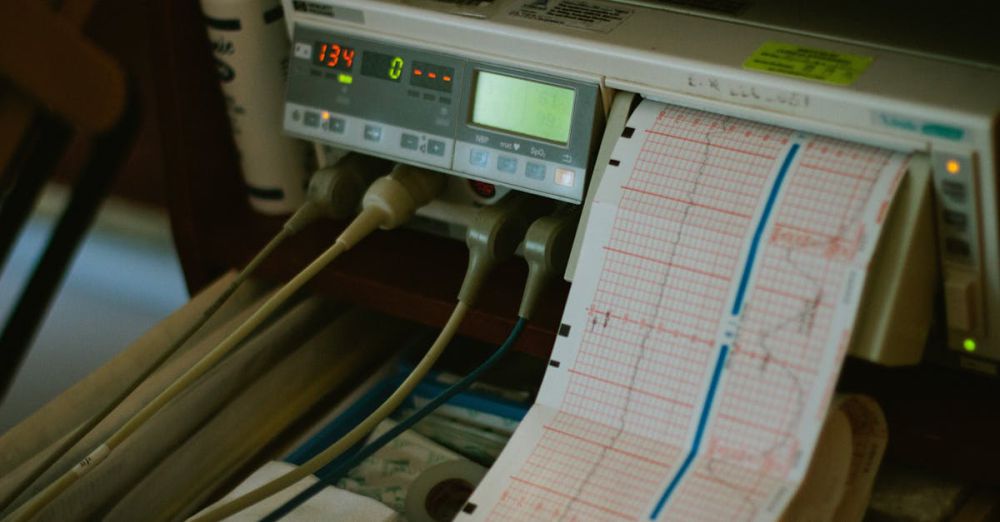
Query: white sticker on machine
590, 15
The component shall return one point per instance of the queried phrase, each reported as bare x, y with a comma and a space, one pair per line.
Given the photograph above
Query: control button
959, 296
311, 119
535, 171
373, 133
956, 219
954, 190
303, 50
429, 97
565, 177
296, 115
507, 164
442, 99
479, 157
435, 147
957, 247
409, 141
483, 189
335, 125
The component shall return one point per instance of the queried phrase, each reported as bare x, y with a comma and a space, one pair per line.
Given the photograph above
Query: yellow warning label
805, 62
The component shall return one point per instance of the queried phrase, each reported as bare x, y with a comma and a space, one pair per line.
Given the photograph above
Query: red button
483, 189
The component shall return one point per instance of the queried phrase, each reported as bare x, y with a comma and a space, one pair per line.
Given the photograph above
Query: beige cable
222, 511
492, 237
334, 192
88, 426
390, 201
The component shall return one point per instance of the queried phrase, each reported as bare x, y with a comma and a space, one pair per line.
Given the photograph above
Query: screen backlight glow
523, 106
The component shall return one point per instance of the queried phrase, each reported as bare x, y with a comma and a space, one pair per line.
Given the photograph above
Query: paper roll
440, 491
718, 281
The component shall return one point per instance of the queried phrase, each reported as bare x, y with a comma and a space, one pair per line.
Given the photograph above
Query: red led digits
334, 56
432, 76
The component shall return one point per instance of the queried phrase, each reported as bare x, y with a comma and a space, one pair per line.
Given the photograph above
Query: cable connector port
494, 235
392, 200
547, 246
334, 192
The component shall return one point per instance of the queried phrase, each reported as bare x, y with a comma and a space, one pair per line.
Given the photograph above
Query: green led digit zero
395, 68
524, 107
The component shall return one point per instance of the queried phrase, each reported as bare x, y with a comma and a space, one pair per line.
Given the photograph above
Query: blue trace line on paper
761, 225
724, 351
702, 421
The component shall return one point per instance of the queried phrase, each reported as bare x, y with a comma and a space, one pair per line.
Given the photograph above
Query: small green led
346, 79
969, 345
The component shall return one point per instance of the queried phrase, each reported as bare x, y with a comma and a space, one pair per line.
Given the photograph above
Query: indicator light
953, 166
483, 189
447, 78
432, 75
418, 72
326, 115
969, 345
345, 79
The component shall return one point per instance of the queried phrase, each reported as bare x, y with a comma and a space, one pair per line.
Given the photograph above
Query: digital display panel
333, 56
382, 66
531, 108
432, 76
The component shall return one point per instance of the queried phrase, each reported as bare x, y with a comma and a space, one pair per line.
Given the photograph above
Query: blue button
435, 147
373, 133
409, 141
535, 171
311, 119
479, 157
507, 164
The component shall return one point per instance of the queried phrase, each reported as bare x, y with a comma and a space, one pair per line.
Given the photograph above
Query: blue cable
333, 475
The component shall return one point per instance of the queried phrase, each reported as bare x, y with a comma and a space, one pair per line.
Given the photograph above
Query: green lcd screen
523, 106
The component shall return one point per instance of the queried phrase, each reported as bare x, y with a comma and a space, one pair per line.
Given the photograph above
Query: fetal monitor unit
517, 94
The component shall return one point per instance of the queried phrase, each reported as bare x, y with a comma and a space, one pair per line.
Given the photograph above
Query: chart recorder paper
719, 280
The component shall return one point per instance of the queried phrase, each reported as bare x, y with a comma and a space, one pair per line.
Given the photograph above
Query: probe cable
333, 192
331, 477
492, 237
389, 202
546, 249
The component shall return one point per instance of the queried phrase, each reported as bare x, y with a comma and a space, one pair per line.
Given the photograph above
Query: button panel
957, 201
414, 105
535, 176
364, 135
959, 247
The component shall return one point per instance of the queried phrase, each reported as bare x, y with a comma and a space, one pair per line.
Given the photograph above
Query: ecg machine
530, 95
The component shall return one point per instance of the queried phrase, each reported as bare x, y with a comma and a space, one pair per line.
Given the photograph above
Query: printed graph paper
716, 293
